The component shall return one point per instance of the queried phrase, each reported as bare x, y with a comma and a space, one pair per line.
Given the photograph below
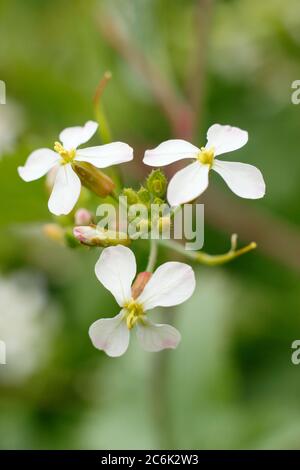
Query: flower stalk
152, 256
206, 258
104, 129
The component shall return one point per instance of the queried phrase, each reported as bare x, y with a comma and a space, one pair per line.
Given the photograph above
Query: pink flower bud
139, 284
92, 236
83, 217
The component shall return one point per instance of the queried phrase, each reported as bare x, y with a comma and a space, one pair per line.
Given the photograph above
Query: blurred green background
231, 383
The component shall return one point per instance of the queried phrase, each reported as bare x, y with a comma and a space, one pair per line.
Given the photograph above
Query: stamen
134, 312
206, 156
66, 155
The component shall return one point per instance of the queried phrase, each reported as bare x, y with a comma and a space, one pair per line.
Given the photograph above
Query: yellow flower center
133, 312
67, 156
206, 156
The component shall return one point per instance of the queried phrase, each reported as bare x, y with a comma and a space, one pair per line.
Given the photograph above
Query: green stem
152, 256
160, 400
104, 129
114, 195
205, 258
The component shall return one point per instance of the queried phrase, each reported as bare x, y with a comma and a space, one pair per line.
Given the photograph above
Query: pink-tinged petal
86, 234
188, 183
106, 155
169, 152
38, 164
225, 138
116, 269
243, 179
72, 137
171, 284
155, 337
110, 335
65, 192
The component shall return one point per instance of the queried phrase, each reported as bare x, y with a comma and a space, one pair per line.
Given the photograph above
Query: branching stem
207, 259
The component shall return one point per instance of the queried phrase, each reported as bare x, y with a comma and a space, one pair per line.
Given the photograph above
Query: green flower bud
156, 183
158, 200
94, 179
132, 197
144, 196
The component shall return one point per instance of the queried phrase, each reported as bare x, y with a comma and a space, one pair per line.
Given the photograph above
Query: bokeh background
177, 66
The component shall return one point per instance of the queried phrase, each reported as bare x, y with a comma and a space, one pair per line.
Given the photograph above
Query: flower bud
90, 235
83, 217
156, 183
132, 197
158, 201
94, 179
54, 232
144, 196
139, 284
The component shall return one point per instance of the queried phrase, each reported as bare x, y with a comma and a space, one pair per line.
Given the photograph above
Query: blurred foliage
231, 383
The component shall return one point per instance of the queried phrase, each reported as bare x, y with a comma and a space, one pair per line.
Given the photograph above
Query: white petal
65, 192
188, 183
225, 138
38, 164
110, 335
72, 137
106, 155
169, 152
155, 337
50, 178
171, 284
243, 179
116, 269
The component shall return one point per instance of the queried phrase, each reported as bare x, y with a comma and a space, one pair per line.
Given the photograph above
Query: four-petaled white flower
67, 185
171, 284
187, 184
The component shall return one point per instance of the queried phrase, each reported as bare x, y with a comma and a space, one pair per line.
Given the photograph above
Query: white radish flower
244, 180
171, 284
67, 185
29, 322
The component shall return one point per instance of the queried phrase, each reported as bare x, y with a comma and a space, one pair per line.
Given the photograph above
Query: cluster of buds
151, 193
